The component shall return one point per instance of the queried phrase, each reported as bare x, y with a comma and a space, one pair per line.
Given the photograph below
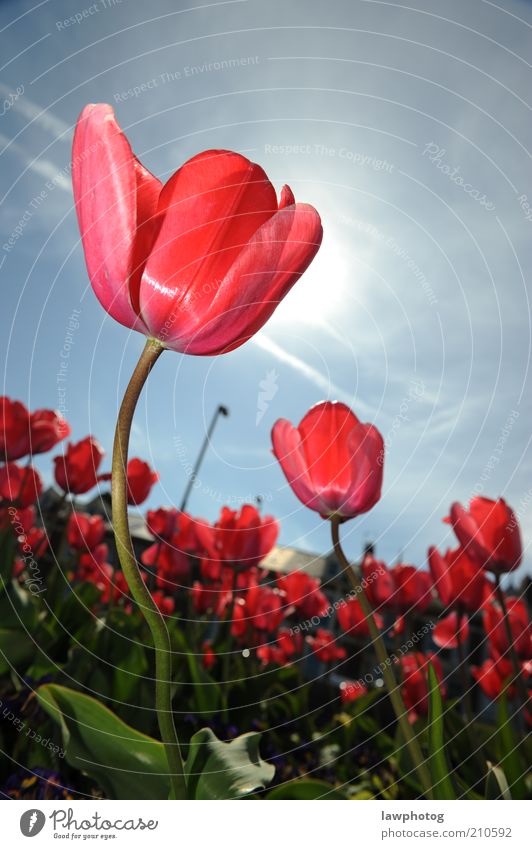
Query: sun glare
319, 295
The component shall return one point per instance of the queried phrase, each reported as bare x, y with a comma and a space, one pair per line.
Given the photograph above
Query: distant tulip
200, 263
85, 531
379, 582
240, 539
518, 622
493, 676
20, 484
352, 619
76, 470
451, 631
350, 691
489, 531
303, 594
458, 579
323, 644
14, 429
140, 479
47, 428
414, 682
413, 588
332, 461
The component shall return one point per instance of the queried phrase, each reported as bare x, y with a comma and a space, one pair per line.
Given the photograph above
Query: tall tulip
198, 266
334, 465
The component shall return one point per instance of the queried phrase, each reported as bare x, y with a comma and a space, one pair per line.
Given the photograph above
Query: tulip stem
394, 692
521, 689
130, 567
466, 686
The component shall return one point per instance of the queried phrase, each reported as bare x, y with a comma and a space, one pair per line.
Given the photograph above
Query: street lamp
221, 410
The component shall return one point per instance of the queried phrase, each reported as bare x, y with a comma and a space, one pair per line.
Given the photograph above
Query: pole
220, 411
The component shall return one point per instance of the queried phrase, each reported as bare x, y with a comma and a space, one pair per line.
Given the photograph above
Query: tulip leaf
508, 753
207, 693
124, 762
441, 780
496, 783
218, 770
306, 788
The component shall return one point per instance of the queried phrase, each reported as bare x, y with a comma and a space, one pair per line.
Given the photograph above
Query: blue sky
408, 127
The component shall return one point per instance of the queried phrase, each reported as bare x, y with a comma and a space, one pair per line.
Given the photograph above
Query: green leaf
439, 770
218, 770
496, 783
207, 693
508, 753
125, 763
306, 788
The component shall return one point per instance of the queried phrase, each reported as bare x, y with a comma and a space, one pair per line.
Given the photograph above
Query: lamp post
221, 410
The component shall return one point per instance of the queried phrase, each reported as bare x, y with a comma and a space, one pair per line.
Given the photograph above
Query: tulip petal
288, 449
219, 317
324, 431
114, 195
449, 633
207, 211
367, 450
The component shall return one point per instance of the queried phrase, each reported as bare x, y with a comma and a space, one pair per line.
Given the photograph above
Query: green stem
523, 695
394, 692
466, 686
130, 567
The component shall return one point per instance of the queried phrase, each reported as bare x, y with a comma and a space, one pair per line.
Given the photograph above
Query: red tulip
447, 634
303, 594
162, 523
94, 568
76, 470
493, 676
264, 610
379, 582
332, 461
324, 646
166, 604
458, 579
520, 627
20, 484
413, 588
205, 598
84, 531
208, 657
489, 532
239, 539
282, 651
140, 479
414, 682
352, 619
199, 264
14, 429
171, 564
350, 691
48, 427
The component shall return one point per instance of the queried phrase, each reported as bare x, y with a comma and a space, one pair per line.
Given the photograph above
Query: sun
320, 293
